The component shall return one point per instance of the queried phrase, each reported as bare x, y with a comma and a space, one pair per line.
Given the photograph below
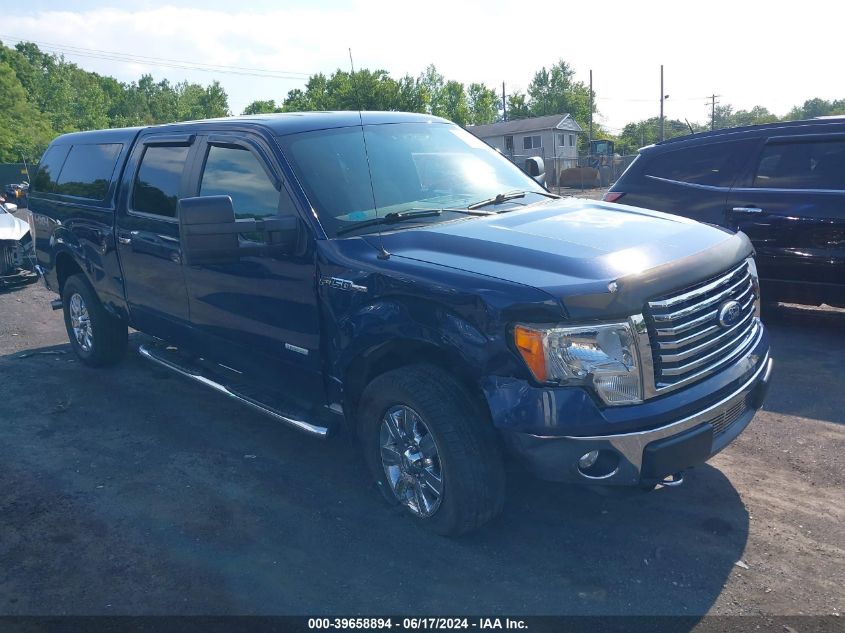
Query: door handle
747, 210
126, 240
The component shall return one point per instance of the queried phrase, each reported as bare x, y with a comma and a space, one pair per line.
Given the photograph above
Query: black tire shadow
148, 494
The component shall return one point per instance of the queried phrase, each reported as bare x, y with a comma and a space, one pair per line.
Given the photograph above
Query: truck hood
12, 228
573, 249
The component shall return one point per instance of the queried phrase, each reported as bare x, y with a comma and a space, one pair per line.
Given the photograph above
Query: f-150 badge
341, 284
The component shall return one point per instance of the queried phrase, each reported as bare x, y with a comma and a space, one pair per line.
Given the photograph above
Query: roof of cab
116, 135
278, 124
292, 122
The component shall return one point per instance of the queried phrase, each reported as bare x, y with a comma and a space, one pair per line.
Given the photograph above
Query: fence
584, 172
12, 173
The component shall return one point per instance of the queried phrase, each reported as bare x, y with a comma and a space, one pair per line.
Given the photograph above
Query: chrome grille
687, 340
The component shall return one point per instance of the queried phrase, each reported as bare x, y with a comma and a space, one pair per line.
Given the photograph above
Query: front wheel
97, 337
431, 449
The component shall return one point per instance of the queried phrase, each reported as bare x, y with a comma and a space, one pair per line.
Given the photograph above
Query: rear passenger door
792, 207
148, 236
257, 314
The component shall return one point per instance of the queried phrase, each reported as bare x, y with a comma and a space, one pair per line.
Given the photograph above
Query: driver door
258, 314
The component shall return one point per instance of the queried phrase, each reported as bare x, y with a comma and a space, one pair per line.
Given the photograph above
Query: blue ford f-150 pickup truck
391, 274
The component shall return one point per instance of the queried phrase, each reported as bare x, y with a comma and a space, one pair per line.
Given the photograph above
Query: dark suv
781, 184
391, 274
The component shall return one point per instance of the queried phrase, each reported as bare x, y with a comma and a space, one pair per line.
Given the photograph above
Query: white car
15, 244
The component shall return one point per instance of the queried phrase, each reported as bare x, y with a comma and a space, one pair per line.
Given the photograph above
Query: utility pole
591, 108
662, 135
504, 104
713, 104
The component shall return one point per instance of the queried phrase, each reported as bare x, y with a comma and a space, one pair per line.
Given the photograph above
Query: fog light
588, 459
599, 464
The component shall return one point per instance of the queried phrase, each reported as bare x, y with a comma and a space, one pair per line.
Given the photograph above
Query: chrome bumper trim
631, 445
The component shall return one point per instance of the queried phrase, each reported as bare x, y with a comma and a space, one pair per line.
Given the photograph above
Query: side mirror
536, 168
210, 234
206, 230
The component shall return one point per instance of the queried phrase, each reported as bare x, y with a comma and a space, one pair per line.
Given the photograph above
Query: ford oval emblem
730, 313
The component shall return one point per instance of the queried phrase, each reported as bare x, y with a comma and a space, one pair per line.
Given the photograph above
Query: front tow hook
673, 481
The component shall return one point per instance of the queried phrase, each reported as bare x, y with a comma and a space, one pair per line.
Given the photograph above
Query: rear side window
49, 168
237, 172
801, 165
159, 179
716, 164
88, 170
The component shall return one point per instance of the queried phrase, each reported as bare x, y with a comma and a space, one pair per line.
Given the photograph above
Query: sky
748, 53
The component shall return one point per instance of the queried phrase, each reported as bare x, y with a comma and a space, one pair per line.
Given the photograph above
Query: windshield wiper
391, 218
499, 198
408, 214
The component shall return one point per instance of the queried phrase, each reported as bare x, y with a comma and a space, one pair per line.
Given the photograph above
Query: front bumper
644, 457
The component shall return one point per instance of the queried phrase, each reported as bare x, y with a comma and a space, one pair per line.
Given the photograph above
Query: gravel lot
133, 491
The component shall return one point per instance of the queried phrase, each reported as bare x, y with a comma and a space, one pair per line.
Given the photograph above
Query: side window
158, 181
237, 172
49, 168
817, 165
509, 144
717, 164
88, 170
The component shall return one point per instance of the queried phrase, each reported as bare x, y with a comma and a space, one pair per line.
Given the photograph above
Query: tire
100, 338
466, 454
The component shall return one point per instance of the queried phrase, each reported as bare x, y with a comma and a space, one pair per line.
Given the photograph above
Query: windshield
414, 166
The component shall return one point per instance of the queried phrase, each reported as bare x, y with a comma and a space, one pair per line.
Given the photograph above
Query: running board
150, 353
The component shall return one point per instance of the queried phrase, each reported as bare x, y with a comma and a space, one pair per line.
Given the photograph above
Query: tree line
43, 95
637, 134
551, 91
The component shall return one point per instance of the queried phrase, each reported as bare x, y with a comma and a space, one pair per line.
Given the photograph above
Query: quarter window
158, 181
49, 168
818, 165
88, 170
237, 173
716, 164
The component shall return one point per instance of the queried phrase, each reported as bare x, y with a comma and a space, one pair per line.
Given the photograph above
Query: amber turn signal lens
530, 345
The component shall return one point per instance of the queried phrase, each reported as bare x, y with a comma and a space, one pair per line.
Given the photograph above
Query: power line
69, 49
625, 99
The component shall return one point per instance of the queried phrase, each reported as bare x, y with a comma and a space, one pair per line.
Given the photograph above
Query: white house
551, 137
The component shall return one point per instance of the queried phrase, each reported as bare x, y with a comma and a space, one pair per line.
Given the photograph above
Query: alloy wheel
80, 322
411, 460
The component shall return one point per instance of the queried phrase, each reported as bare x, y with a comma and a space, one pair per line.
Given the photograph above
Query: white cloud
749, 53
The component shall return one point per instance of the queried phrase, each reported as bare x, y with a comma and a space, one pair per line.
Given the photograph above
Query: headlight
602, 356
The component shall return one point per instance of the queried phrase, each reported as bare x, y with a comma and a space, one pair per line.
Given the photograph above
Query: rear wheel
431, 450
98, 338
